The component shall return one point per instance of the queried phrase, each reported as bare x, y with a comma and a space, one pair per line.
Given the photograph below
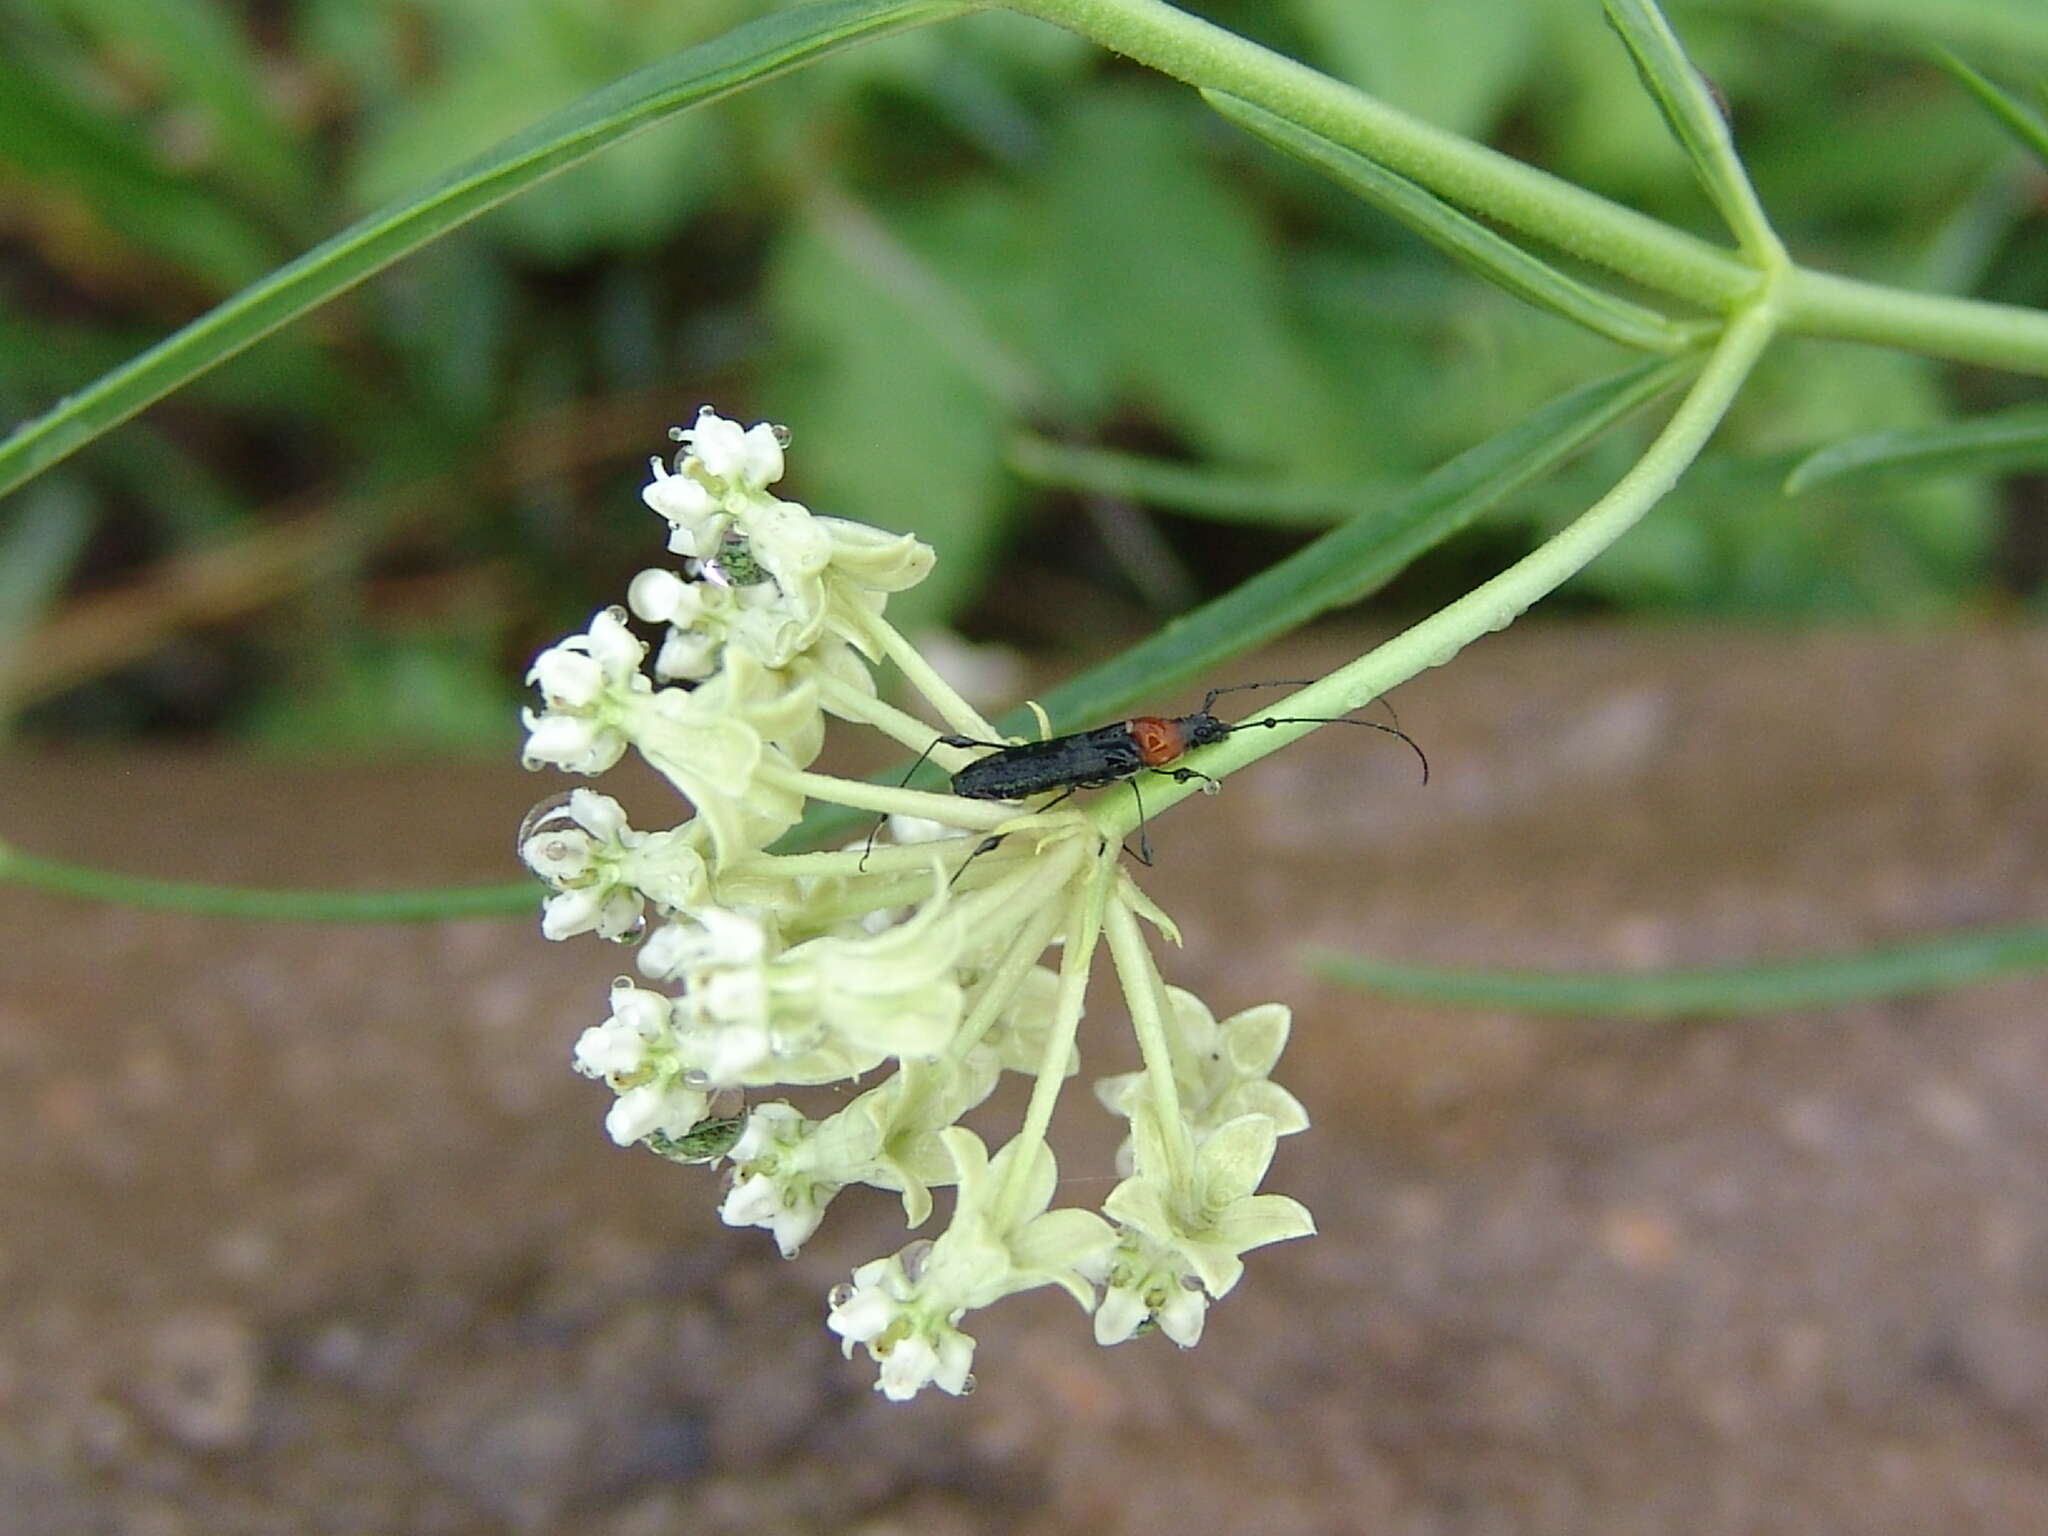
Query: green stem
1001, 985
1145, 991
1494, 604
1965, 330
1084, 927
61, 879
1660, 258
961, 716
952, 810
849, 703
1505, 189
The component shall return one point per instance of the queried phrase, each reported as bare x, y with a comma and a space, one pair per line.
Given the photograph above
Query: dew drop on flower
967, 1385
696, 1077
632, 932
616, 612
839, 1295
555, 806
914, 1257
781, 433
623, 983
726, 1104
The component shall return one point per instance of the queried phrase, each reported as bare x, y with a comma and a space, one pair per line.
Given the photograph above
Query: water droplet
632, 932
675, 434
616, 613
914, 1257
623, 983
781, 434
697, 1078
555, 807
967, 1385
839, 1296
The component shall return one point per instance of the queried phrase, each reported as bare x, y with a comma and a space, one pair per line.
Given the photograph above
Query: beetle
1109, 754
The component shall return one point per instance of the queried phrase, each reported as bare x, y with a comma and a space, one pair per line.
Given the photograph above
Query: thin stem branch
952, 810
961, 716
1964, 330
1145, 991
1204, 55
1084, 927
1499, 602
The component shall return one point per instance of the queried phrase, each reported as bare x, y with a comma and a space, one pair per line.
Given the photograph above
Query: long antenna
1391, 730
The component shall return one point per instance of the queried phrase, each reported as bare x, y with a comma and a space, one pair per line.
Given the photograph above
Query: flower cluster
914, 967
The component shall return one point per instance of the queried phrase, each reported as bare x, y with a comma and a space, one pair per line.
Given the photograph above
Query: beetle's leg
1144, 838
1187, 775
936, 742
990, 844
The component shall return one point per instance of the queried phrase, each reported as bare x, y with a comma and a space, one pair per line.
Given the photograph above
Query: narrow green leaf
1695, 120
770, 46
1465, 239
1831, 981
1986, 445
2018, 118
294, 906
1196, 489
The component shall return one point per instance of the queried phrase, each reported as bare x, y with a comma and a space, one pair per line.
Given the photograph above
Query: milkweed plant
920, 971
914, 970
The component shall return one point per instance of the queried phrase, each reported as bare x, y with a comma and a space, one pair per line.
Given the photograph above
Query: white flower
636, 1052
721, 958
832, 1005
1204, 1222
744, 458
576, 846
879, 1309
894, 993
774, 1184
1221, 1070
906, 1308
603, 872
1144, 1285
706, 616
584, 683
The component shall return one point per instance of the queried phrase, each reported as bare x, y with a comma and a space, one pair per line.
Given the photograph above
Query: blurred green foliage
908, 255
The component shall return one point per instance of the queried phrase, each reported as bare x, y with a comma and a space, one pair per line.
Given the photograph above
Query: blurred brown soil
312, 1229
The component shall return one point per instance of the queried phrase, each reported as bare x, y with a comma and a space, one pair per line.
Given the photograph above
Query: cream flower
637, 1052
775, 1184
586, 683
603, 872
722, 744
1221, 1070
1206, 1223
1145, 1285
906, 1308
